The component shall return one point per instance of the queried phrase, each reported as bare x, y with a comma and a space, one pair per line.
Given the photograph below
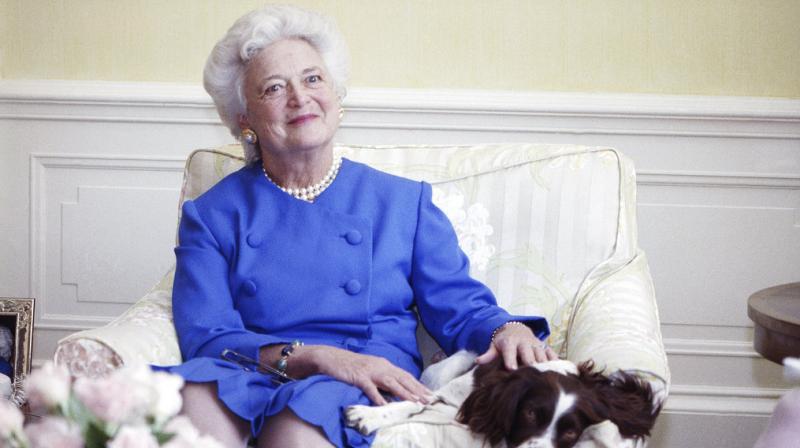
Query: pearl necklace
309, 193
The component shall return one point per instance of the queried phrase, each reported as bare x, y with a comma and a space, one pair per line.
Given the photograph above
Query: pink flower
111, 399
182, 426
160, 390
10, 420
48, 387
133, 437
166, 400
54, 431
181, 441
186, 435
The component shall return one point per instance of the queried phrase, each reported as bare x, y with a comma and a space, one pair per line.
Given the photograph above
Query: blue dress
256, 267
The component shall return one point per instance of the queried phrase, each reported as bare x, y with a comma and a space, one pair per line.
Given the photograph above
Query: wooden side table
776, 314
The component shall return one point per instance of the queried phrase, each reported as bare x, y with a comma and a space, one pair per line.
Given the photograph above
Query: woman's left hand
517, 345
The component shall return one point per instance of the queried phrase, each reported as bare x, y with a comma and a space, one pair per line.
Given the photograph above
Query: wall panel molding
45, 208
41, 161
719, 400
704, 348
718, 180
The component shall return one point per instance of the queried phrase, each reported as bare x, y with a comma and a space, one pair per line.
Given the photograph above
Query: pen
251, 365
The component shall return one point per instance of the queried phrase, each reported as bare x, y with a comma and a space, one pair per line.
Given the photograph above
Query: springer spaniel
547, 405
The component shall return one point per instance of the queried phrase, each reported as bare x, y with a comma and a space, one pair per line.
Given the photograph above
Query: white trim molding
575, 104
415, 100
715, 348
453, 110
720, 400
717, 180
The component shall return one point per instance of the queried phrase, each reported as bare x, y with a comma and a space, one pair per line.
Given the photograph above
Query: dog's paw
366, 419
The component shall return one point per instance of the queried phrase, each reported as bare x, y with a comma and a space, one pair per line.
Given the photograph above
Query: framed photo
16, 339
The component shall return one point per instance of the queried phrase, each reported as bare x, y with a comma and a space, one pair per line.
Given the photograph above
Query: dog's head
550, 405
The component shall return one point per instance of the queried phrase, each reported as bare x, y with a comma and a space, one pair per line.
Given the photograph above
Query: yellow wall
707, 47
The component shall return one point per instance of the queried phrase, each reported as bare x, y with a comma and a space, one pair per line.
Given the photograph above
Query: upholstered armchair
550, 228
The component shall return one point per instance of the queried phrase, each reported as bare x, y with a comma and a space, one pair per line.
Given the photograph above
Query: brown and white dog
544, 406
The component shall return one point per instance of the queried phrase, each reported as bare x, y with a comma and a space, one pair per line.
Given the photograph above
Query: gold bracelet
498, 329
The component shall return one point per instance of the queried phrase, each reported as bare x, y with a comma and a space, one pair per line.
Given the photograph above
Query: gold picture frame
16, 314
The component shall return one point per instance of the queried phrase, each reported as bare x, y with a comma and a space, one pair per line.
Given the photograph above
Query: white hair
223, 76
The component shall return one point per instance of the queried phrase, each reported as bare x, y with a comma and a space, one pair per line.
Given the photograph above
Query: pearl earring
249, 136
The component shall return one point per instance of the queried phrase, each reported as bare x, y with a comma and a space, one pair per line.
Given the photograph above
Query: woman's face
291, 103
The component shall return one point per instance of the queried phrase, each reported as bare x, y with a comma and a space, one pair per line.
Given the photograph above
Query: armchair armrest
143, 334
616, 324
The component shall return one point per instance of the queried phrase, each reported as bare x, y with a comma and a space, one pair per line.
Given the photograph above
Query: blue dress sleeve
457, 310
202, 305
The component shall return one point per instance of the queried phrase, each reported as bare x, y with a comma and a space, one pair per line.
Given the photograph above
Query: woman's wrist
503, 327
303, 362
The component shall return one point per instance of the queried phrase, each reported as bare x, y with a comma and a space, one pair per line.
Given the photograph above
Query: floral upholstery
551, 229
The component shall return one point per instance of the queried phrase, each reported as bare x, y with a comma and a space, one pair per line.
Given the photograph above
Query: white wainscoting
101, 224
90, 173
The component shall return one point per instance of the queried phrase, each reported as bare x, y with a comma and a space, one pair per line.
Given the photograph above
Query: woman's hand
517, 344
371, 374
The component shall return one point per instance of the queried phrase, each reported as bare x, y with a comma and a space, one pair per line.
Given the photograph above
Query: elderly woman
311, 263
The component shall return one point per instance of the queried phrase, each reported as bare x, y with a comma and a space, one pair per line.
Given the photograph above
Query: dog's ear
491, 407
490, 373
632, 405
623, 398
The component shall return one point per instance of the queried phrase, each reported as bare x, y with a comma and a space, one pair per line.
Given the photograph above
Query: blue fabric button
250, 287
353, 237
350, 343
352, 287
254, 240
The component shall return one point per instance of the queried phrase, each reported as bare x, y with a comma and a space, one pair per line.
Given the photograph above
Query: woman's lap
318, 400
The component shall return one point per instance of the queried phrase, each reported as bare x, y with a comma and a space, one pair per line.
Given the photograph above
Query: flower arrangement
134, 407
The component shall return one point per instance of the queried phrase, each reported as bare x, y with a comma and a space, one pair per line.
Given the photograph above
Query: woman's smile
302, 119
